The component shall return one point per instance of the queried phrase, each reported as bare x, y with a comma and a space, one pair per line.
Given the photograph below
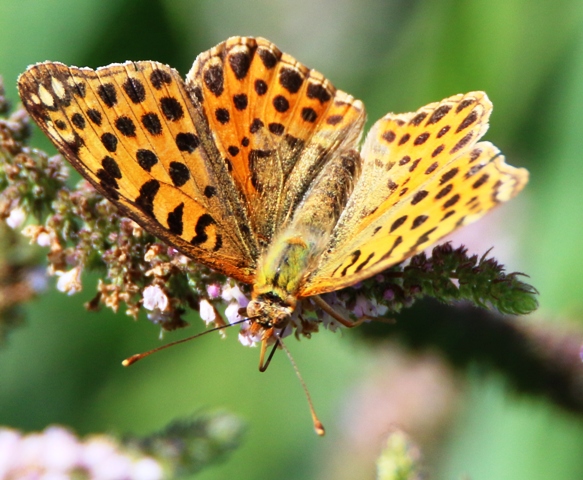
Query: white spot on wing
46, 96
58, 88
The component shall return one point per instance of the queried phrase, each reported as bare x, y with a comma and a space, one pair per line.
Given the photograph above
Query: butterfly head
271, 310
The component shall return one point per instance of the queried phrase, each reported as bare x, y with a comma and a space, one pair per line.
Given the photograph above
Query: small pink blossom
16, 218
213, 290
235, 293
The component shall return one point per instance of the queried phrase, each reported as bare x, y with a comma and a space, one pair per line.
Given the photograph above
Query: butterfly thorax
279, 278
295, 252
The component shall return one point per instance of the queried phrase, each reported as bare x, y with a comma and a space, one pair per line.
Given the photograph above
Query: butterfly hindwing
128, 129
275, 123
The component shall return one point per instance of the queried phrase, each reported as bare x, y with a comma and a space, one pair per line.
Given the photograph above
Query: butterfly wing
129, 130
275, 124
423, 176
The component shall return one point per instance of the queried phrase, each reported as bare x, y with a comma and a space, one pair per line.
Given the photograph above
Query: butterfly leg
320, 302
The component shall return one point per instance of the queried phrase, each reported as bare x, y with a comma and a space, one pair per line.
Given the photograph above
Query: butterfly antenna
318, 427
138, 356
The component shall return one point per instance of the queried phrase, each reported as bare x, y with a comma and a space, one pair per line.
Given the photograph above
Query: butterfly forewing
423, 177
128, 130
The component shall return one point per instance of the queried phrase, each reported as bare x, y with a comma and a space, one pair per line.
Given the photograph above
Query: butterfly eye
271, 297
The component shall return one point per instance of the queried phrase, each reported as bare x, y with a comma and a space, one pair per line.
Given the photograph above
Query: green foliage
187, 446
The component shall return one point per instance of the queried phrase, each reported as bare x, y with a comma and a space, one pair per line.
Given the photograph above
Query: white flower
60, 449
69, 282
97, 450
9, 442
43, 239
154, 298
16, 218
57, 454
232, 312
246, 338
147, 469
116, 467
368, 307
207, 312
29, 452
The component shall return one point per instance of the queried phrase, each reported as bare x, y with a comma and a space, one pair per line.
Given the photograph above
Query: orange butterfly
251, 166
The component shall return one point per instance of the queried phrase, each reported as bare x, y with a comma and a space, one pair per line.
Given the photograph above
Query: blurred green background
63, 366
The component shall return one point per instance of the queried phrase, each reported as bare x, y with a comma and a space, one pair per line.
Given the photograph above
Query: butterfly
252, 167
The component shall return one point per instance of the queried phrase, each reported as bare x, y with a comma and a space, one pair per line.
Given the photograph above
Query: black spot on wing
94, 116
364, 263
355, 256
397, 223
290, 79
175, 224
109, 141
260, 87
276, 128
151, 123
171, 108
146, 159
438, 114
268, 58
240, 63
203, 222
420, 195
209, 191
222, 115
111, 167
126, 126
418, 221
214, 80
135, 90
280, 103
179, 173
309, 115
240, 101
145, 200
78, 120
187, 142
159, 78
256, 125
317, 91
108, 94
